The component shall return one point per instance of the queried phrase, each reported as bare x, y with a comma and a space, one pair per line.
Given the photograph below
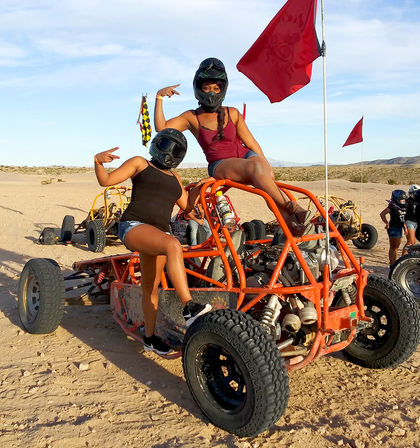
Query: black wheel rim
411, 281
32, 298
383, 333
221, 378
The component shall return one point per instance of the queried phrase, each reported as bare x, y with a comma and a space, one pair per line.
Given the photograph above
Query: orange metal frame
125, 269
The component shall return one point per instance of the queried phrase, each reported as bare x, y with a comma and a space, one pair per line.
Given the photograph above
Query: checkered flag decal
144, 121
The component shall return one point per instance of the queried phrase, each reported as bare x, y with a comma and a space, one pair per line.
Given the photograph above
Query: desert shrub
392, 182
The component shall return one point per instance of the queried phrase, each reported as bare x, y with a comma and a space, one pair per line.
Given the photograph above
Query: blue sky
72, 74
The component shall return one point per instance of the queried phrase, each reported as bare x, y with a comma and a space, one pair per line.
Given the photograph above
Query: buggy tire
260, 232
96, 236
250, 231
406, 273
48, 236
67, 229
395, 333
235, 372
368, 238
41, 296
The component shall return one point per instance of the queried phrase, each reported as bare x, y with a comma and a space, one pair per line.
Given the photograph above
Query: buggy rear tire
368, 238
235, 372
67, 229
260, 232
96, 235
395, 332
406, 273
250, 231
41, 296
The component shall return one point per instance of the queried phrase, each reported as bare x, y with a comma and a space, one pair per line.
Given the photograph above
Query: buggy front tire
41, 296
368, 237
395, 333
96, 235
235, 372
67, 229
406, 273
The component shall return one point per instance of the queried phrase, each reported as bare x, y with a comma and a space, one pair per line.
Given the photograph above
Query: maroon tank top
229, 147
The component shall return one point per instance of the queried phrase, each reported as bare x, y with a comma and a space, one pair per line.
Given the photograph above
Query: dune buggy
278, 304
347, 220
102, 220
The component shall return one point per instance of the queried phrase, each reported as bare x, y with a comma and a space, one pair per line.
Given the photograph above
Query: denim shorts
411, 225
395, 232
125, 226
213, 165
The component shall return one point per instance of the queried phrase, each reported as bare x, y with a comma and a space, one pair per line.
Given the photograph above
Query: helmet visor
169, 146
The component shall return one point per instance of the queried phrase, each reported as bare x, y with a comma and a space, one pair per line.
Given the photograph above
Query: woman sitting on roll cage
144, 225
230, 149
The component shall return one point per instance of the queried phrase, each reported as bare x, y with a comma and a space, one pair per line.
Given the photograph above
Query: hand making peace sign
106, 156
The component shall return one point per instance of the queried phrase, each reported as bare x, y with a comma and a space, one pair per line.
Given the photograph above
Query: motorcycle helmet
168, 148
211, 69
416, 196
399, 198
412, 189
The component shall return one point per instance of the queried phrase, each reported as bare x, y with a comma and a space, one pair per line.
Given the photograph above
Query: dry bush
391, 174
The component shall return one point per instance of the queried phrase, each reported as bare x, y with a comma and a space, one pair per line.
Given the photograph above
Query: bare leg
156, 247
151, 269
256, 171
411, 239
394, 244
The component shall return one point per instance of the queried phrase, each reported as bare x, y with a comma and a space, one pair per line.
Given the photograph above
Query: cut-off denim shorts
395, 232
125, 226
411, 225
213, 165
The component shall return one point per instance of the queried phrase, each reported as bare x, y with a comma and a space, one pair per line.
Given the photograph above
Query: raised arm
120, 174
180, 123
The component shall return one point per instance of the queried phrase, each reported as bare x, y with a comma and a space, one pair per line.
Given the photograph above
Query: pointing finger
113, 149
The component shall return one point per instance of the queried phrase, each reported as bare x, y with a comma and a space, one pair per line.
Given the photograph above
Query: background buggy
102, 219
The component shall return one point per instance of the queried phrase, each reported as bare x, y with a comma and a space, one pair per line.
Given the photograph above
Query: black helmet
214, 70
168, 148
399, 197
417, 196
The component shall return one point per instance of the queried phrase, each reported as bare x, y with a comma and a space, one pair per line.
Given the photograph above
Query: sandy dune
130, 399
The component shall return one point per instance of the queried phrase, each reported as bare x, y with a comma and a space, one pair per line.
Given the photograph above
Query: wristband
96, 160
159, 97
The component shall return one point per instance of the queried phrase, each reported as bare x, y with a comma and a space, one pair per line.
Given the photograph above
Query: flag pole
324, 76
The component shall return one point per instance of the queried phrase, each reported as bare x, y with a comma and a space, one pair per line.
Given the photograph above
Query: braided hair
220, 123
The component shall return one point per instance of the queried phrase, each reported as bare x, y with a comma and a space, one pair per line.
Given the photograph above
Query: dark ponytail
220, 123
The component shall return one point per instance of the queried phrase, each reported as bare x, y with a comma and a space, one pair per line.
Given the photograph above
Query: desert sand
127, 398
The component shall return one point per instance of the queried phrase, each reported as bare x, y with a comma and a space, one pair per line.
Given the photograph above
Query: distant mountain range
406, 161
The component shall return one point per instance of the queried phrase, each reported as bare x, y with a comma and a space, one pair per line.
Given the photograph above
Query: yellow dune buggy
102, 220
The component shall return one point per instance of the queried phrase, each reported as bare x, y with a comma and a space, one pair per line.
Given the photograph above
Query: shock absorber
271, 313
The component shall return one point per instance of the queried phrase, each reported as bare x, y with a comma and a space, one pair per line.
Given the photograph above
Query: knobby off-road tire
368, 238
406, 273
41, 296
249, 230
235, 372
67, 229
395, 333
96, 235
260, 232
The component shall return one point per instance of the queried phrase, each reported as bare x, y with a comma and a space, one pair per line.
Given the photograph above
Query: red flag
355, 135
280, 61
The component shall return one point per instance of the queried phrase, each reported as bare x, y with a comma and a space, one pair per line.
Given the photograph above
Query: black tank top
153, 197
